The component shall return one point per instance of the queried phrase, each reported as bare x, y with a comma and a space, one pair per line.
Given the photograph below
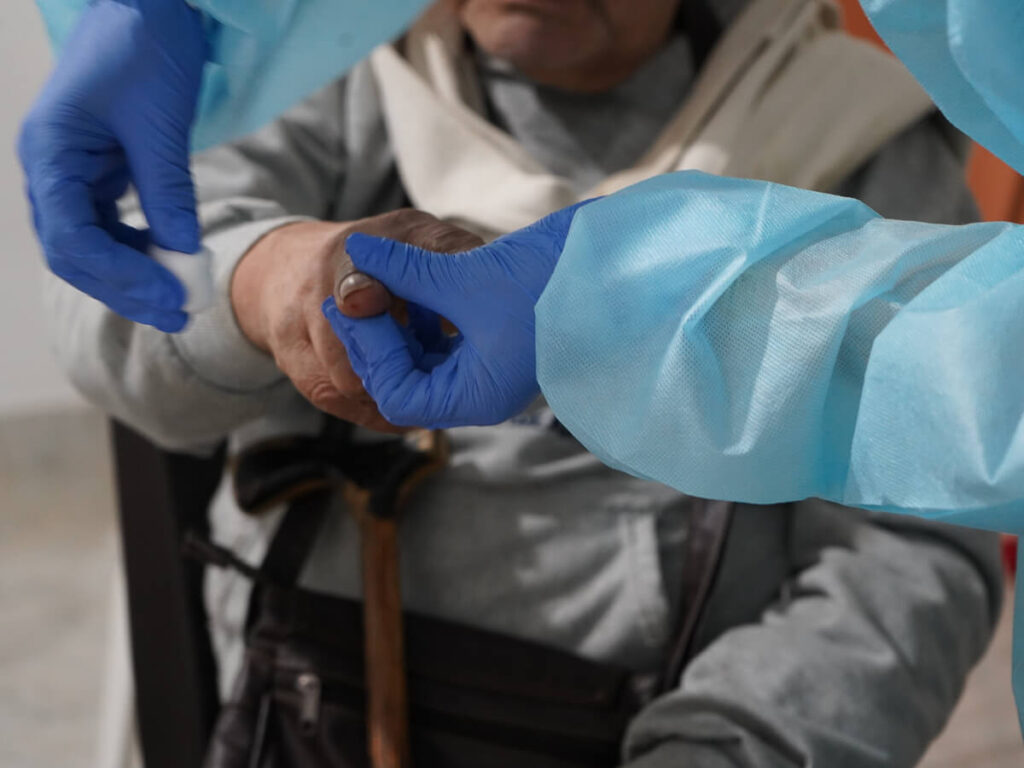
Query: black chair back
161, 495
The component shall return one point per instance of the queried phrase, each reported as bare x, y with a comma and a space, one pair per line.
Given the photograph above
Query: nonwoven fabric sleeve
755, 342
267, 55
968, 56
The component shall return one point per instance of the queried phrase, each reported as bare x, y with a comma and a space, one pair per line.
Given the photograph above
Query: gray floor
57, 561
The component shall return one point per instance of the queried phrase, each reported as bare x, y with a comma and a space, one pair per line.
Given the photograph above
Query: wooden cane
377, 509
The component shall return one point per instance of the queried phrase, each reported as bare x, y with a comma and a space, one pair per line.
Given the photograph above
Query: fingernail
359, 295
357, 281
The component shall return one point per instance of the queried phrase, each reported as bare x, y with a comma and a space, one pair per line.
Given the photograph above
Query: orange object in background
857, 23
998, 189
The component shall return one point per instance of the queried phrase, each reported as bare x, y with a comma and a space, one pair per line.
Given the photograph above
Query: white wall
29, 380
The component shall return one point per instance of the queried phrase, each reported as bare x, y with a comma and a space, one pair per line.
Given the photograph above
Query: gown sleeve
754, 342
967, 55
265, 57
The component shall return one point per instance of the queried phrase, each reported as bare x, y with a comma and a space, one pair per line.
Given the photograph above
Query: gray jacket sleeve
858, 660
187, 391
859, 657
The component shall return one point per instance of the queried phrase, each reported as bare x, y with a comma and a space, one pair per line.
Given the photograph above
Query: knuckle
408, 224
434, 234
322, 394
334, 244
451, 239
407, 216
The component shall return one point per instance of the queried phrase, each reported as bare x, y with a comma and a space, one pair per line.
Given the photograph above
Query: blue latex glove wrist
485, 374
118, 109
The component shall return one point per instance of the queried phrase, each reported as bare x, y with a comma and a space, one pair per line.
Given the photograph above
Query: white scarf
785, 96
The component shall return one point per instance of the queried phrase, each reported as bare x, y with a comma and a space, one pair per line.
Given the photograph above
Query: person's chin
535, 41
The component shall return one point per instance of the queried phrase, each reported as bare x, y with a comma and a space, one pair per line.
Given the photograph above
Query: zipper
309, 687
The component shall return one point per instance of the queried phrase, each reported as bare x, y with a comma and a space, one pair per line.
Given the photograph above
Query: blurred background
63, 670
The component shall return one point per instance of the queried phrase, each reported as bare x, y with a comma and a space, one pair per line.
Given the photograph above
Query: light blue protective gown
266, 55
742, 340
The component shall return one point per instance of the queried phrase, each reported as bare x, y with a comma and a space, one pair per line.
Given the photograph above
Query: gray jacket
835, 637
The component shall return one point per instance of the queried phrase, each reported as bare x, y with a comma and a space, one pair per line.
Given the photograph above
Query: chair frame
161, 495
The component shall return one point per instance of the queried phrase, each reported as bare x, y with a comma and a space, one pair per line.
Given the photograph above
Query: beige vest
785, 96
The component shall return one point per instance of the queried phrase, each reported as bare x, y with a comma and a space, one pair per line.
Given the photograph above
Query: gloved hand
487, 372
277, 287
118, 108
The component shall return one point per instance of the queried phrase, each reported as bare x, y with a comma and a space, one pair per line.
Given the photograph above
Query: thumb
164, 182
418, 275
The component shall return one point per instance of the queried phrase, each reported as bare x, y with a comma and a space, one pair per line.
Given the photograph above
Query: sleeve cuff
673, 754
212, 344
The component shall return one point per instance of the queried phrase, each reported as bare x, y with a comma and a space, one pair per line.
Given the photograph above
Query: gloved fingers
425, 326
422, 360
341, 332
382, 358
428, 343
168, 321
125, 271
112, 184
79, 244
163, 180
120, 270
338, 332
417, 275
332, 354
137, 239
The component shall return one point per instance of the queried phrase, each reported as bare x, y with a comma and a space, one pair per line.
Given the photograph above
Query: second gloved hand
117, 110
487, 372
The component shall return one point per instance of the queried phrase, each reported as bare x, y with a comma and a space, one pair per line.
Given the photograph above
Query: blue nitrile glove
118, 109
484, 375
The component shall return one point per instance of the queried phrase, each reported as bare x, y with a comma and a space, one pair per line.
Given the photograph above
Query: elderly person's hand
280, 284
484, 374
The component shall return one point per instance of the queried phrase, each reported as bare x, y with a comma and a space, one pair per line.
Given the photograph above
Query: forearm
858, 663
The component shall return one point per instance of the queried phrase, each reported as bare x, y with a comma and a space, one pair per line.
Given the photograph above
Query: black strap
160, 495
709, 529
295, 536
287, 552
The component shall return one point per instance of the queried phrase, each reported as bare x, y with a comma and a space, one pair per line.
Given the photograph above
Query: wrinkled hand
118, 109
279, 285
420, 376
